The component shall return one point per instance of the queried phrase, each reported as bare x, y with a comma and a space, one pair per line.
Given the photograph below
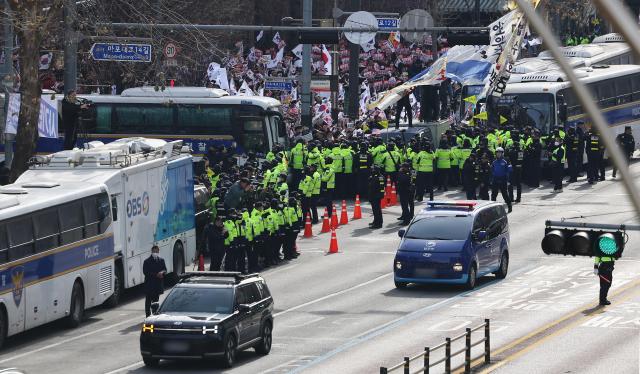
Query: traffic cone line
326, 226
308, 233
357, 210
333, 245
394, 196
343, 214
334, 218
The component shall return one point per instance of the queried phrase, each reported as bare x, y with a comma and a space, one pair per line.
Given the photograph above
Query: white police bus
56, 252
150, 186
546, 100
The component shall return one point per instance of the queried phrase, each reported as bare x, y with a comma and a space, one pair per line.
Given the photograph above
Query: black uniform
516, 158
362, 166
605, 273
484, 172
70, 116
406, 191
557, 166
595, 151
153, 286
572, 141
532, 161
214, 239
376, 193
627, 145
404, 103
470, 171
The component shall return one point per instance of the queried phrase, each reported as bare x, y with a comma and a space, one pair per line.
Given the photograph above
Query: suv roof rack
234, 276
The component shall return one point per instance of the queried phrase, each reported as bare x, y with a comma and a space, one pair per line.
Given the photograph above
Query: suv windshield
440, 228
198, 300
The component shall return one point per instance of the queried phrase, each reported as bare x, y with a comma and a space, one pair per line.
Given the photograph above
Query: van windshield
440, 228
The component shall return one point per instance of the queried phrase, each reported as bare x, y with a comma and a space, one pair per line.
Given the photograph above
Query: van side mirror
154, 307
401, 233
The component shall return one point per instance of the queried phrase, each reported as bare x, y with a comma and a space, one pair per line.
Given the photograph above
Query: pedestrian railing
448, 355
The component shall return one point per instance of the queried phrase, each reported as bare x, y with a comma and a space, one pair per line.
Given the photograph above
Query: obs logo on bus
138, 205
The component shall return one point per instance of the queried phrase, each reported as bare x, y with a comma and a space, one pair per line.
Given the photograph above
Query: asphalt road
341, 313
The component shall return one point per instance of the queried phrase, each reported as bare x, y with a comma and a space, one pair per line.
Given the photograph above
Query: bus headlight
457, 267
398, 265
211, 330
147, 328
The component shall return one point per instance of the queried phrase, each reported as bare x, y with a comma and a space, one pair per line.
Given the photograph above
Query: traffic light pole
587, 225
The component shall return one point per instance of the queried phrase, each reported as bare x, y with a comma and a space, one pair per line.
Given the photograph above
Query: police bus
149, 184
56, 252
546, 100
609, 49
200, 117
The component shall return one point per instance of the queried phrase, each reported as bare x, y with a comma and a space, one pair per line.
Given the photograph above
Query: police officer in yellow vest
364, 161
603, 268
557, 163
443, 156
306, 189
423, 162
315, 196
298, 154
328, 185
291, 230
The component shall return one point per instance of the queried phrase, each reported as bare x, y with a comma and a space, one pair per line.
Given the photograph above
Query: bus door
279, 130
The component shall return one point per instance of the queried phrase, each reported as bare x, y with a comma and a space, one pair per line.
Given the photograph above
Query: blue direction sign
278, 86
384, 24
121, 52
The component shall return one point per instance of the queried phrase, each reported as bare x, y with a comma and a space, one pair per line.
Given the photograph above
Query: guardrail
426, 355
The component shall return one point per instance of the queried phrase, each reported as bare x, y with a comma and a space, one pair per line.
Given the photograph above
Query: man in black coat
154, 271
376, 193
215, 233
406, 191
71, 108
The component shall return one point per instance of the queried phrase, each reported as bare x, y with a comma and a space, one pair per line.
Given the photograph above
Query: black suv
209, 314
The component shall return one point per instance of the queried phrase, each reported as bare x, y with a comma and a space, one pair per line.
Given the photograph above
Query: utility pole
7, 83
354, 72
305, 113
70, 46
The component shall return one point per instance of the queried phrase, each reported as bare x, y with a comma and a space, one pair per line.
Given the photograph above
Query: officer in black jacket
516, 157
215, 233
572, 142
376, 193
595, 151
470, 176
362, 165
154, 271
627, 145
406, 191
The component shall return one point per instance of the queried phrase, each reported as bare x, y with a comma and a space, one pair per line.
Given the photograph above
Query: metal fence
448, 355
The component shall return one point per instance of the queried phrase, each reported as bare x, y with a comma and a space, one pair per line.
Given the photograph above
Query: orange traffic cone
394, 196
383, 203
333, 246
326, 226
334, 218
201, 262
343, 214
357, 211
387, 189
307, 227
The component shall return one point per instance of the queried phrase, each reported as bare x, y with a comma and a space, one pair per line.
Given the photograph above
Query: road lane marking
65, 341
132, 366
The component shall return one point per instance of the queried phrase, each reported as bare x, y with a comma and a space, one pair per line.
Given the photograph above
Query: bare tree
31, 20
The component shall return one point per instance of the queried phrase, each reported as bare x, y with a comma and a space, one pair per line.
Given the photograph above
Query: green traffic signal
583, 242
607, 244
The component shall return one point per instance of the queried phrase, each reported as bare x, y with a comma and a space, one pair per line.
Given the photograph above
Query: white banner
47, 121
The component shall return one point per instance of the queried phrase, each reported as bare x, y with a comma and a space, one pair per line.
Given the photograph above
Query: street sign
278, 86
170, 62
361, 20
170, 50
417, 18
386, 23
121, 52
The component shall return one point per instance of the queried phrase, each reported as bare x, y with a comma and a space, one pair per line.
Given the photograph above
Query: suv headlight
457, 266
147, 328
209, 330
398, 265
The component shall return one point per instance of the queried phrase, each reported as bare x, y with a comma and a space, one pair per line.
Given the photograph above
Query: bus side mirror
154, 307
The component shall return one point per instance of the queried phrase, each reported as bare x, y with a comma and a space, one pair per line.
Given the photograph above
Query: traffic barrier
201, 262
334, 218
307, 227
326, 226
394, 195
405, 365
357, 210
343, 214
333, 246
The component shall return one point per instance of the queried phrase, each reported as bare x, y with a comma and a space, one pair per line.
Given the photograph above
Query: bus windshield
528, 109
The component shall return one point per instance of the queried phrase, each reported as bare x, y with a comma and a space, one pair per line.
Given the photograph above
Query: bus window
4, 245
606, 95
47, 229
635, 87
20, 237
140, 118
90, 208
71, 222
204, 120
104, 213
103, 119
253, 138
623, 90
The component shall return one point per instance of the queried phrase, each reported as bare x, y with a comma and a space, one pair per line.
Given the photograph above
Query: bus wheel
3, 326
76, 311
118, 286
178, 261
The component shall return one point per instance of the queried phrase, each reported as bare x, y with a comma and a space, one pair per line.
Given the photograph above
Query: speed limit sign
170, 50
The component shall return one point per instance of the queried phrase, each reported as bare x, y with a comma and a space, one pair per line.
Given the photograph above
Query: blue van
453, 242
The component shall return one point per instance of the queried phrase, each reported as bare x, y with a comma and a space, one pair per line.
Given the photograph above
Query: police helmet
499, 149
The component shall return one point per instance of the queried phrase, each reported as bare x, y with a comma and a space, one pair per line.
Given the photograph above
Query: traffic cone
383, 203
387, 189
343, 214
326, 226
357, 211
307, 227
394, 196
334, 218
333, 246
201, 262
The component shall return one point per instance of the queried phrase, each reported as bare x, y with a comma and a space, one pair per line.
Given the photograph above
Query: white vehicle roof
555, 80
24, 197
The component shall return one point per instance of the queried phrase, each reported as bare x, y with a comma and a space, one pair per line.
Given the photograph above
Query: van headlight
209, 330
398, 265
457, 266
147, 328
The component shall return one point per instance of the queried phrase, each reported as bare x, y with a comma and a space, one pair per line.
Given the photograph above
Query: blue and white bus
56, 253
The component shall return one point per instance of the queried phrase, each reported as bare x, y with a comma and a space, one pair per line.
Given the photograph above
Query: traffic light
583, 242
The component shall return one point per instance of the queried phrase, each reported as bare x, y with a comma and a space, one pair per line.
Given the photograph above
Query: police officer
516, 158
557, 163
391, 161
406, 191
483, 171
291, 230
603, 268
230, 242
443, 163
595, 150
306, 189
423, 162
215, 234
298, 155
315, 196
328, 186
572, 146
470, 176
627, 145
363, 168
376, 193
500, 173
532, 156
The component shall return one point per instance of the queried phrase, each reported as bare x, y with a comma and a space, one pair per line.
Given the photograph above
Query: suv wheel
471, 280
229, 357
264, 347
504, 266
